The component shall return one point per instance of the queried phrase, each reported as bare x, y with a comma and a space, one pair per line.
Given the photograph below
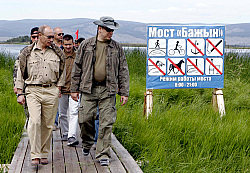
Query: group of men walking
86, 82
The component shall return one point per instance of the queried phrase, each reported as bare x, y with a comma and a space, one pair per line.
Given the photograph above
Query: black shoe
64, 137
104, 162
72, 141
85, 151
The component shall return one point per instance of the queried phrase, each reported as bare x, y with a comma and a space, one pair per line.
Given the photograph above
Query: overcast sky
146, 11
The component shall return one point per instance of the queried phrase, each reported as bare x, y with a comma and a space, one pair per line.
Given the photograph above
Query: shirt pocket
33, 68
54, 64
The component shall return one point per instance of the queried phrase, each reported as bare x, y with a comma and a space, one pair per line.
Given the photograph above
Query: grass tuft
184, 133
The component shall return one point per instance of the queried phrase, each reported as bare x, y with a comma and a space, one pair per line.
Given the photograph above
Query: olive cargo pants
107, 117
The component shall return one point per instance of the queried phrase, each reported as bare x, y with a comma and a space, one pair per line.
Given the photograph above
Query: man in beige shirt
41, 67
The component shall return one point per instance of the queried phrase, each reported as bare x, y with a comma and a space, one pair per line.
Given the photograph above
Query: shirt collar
36, 48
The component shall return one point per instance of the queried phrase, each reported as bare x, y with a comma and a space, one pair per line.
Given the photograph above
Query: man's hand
15, 90
21, 99
75, 96
60, 94
124, 100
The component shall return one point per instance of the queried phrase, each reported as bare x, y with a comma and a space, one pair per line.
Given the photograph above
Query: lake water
14, 49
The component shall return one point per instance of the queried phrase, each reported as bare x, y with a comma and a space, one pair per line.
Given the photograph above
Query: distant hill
129, 32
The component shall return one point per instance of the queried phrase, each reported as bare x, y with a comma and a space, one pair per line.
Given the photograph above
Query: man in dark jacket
99, 71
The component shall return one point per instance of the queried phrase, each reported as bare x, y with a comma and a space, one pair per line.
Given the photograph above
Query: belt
102, 83
42, 85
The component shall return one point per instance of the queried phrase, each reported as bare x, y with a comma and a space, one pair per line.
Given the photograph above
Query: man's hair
56, 28
42, 28
79, 40
68, 37
35, 29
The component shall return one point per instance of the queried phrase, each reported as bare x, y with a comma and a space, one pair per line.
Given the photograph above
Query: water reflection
14, 49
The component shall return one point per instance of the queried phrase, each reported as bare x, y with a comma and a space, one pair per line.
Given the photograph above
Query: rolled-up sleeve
19, 83
61, 81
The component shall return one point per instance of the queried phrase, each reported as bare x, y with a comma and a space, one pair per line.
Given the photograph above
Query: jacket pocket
80, 114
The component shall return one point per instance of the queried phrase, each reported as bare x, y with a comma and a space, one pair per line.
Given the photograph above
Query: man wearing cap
100, 70
34, 35
42, 68
33, 38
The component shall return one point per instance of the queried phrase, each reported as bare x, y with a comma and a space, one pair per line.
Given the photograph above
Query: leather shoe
35, 162
44, 161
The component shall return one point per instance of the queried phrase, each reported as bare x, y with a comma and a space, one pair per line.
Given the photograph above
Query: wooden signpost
217, 102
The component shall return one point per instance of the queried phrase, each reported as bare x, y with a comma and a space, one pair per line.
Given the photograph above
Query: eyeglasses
108, 29
59, 34
49, 36
34, 37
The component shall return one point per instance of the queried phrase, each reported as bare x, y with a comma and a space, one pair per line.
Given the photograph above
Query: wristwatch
19, 95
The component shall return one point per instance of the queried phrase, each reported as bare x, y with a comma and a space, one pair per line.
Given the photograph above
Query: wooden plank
71, 159
47, 168
57, 154
115, 164
86, 162
27, 168
126, 159
17, 160
101, 169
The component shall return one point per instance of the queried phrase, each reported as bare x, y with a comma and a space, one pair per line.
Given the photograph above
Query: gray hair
42, 29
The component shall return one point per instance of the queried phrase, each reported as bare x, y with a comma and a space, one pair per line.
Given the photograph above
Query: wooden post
218, 101
148, 102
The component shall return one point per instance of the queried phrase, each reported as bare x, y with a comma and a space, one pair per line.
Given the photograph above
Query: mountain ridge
129, 32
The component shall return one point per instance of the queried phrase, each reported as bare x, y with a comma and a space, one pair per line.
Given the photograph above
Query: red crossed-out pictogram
157, 66
176, 66
208, 60
195, 66
195, 47
215, 47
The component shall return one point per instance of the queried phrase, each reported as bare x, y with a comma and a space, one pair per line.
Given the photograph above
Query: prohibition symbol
156, 66
176, 66
157, 47
214, 47
214, 66
195, 47
195, 66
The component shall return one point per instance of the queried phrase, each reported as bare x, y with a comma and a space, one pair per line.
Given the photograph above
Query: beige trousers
42, 105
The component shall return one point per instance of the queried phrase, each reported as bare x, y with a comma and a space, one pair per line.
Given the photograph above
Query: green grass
184, 133
12, 118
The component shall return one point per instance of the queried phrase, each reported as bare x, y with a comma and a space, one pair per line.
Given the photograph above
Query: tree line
20, 39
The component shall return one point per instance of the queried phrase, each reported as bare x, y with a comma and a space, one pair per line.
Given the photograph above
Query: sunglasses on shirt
59, 34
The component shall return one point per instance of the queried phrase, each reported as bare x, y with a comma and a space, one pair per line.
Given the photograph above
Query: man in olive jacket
99, 72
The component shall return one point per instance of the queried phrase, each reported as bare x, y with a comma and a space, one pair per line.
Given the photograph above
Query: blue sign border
163, 80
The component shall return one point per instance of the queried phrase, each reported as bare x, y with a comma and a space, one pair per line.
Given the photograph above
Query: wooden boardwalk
67, 159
